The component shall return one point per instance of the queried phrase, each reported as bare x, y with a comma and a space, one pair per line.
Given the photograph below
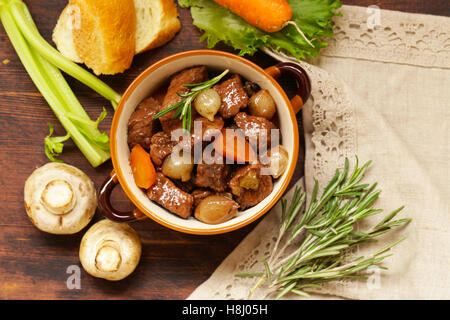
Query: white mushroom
110, 250
60, 198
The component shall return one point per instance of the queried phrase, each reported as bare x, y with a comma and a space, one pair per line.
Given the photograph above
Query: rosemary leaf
165, 111
389, 217
286, 290
300, 293
249, 275
268, 272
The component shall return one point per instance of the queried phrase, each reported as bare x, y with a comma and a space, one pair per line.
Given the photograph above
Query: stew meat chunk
254, 127
188, 76
250, 186
141, 123
214, 176
208, 130
233, 96
164, 192
161, 146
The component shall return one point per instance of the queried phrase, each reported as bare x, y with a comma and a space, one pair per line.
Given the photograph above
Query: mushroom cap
110, 250
60, 198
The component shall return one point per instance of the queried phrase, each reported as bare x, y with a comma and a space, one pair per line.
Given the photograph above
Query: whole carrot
268, 15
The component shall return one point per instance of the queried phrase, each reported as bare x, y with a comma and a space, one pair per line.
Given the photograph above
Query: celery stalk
57, 83
34, 65
25, 23
73, 108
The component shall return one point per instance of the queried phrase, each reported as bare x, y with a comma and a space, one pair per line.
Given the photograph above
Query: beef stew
239, 185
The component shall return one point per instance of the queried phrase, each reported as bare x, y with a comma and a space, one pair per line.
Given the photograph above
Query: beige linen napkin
383, 94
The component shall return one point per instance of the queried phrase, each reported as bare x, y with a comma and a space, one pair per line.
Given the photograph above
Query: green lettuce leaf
313, 17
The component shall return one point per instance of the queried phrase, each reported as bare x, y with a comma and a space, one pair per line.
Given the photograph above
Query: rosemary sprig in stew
327, 229
184, 106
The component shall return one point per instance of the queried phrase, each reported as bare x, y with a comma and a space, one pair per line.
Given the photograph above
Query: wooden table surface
33, 265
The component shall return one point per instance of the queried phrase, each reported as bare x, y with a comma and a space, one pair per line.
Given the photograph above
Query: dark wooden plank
33, 264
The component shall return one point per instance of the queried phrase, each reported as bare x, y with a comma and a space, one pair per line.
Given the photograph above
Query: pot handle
104, 202
300, 75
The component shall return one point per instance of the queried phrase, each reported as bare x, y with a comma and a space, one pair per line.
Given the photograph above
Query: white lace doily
401, 38
416, 39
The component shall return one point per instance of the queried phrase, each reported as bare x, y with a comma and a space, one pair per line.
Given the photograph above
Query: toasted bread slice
104, 34
156, 24
63, 35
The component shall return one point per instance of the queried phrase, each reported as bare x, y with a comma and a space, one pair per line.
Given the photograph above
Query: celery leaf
54, 145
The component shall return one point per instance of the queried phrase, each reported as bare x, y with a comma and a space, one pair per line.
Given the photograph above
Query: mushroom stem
108, 259
58, 197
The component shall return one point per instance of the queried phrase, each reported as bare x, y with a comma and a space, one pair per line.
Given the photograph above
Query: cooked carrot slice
143, 170
233, 146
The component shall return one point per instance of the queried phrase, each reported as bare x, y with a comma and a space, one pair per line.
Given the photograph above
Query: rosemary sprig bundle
184, 106
328, 230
